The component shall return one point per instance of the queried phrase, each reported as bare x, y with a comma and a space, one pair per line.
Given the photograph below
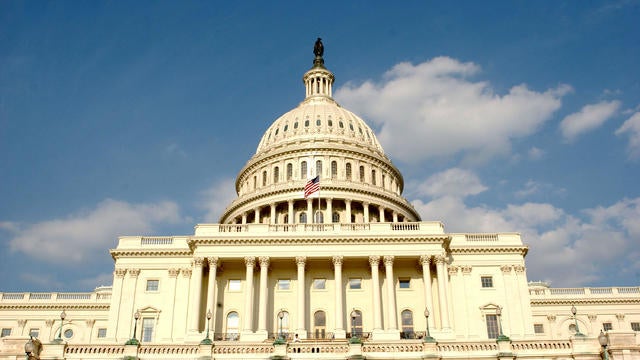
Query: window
34, 333
404, 283
284, 284
492, 326
68, 334
538, 328
407, 324
635, 326
341, 124
303, 170
319, 168
102, 333
152, 285
373, 177
255, 182
361, 173
356, 323
355, 283
264, 178
607, 326
276, 174
234, 285
486, 281
319, 284
306, 123
334, 169
303, 218
319, 324
286, 127
335, 217
147, 329
319, 218
5, 332
295, 125
289, 171
348, 171
318, 122
233, 322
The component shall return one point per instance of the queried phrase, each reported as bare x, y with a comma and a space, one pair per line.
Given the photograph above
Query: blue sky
128, 118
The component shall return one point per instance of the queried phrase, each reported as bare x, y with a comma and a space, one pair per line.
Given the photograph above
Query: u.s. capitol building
350, 271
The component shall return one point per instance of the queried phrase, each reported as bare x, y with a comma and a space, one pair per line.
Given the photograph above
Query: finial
318, 51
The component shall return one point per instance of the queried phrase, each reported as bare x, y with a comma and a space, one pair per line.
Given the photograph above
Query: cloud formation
433, 109
588, 118
631, 128
79, 237
217, 197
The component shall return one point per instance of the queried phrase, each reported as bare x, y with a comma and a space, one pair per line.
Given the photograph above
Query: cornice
589, 301
490, 249
57, 306
116, 254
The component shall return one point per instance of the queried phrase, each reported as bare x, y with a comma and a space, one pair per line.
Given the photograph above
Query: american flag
312, 186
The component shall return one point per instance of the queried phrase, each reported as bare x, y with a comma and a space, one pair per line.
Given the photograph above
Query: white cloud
217, 197
588, 118
432, 110
454, 182
80, 237
535, 153
631, 127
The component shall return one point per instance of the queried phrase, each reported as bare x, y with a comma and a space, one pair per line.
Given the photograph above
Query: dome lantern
318, 81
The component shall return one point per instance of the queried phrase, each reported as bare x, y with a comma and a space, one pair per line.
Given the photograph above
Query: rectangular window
147, 329
234, 285
102, 333
538, 328
492, 326
607, 326
487, 281
152, 285
355, 283
319, 284
34, 333
5, 332
404, 283
635, 326
284, 284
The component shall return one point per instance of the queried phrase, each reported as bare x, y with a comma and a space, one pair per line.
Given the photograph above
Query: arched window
264, 178
255, 180
233, 328
361, 173
373, 177
303, 170
319, 324
356, 323
407, 324
276, 174
303, 218
289, 171
334, 169
319, 168
348, 171
319, 218
384, 178
335, 217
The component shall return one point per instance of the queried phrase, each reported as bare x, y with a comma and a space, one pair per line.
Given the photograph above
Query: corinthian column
250, 262
211, 297
391, 293
442, 291
425, 261
262, 308
300, 262
339, 331
196, 287
374, 261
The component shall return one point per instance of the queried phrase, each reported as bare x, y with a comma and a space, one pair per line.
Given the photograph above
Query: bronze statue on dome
318, 51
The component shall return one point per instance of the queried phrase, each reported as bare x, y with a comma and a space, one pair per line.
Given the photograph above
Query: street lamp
354, 338
207, 340
501, 336
63, 315
574, 311
428, 338
603, 339
280, 339
133, 340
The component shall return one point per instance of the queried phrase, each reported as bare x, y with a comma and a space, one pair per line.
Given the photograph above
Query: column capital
213, 261
519, 268
347, 201
264, 262
337, 260
173, 272
198, 261
301, 260
250, 261
453, 270
425, 260
466, 269
506, 269
134, 273
388, 260
120, 272
90, 322
374, 260
440, 259
186, 273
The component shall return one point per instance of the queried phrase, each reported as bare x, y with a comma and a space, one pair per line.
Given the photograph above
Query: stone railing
427, 228
156, 240
78, 298
538, 292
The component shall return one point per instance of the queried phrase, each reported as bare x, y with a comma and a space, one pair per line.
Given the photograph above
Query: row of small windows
318, 122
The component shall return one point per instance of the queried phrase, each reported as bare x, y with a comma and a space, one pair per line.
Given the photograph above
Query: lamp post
501, 336
603, 339
428, 338
354, 338
280, 339
574, 311
63, 315
207, 340
133, 340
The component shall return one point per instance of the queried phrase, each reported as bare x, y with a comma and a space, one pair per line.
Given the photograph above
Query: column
425, 261
509, 288
256, 220
250, 262
381, 211
262, 307
244, 218
115, 312
173, 274
194, 296
290, 203
442, 291
300, 262
309, 211
211, 297
466, 274
272, 216
348, 211
328, 219
374, 261
395, 216
337, 268
365, 205
391, 293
